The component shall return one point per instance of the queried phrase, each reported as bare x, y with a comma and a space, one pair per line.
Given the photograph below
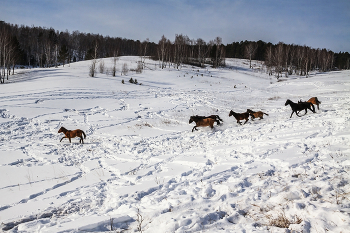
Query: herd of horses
296, 108
202, 121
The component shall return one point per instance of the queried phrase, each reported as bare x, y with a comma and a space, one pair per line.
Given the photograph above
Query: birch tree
250, 50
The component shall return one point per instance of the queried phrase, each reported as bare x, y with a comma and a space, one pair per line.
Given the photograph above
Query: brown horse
254, 115
214, 117
314, 101
72, 134
240, 116
202, 122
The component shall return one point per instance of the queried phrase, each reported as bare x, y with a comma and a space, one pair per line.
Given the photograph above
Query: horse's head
61, 130
287, 102
249, 111
191, 120
231, 113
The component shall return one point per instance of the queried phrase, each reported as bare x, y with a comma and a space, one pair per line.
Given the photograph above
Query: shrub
125, 69
102, 66
282, 221
139, 67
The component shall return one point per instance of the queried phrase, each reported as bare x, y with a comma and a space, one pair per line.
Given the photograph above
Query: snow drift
142, 169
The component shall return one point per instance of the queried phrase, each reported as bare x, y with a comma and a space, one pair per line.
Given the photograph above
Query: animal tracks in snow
140, 153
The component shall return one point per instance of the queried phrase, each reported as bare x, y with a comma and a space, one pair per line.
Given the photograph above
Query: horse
72, 134
254, 115
240, 116
214, 117
314, 101
297, 107
202, 121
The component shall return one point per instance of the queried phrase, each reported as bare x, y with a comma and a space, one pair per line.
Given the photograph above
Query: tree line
190, 51
289, 58
46, 47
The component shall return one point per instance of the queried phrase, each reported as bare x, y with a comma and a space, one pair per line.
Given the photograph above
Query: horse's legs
62, 138
292, 114
69, 140
313, 110
194, 128
81, 139
246, 121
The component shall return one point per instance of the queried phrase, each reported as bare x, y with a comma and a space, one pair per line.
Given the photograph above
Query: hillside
141, 167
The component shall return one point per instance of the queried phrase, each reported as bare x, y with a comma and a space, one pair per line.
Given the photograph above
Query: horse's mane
62, 129
196, 117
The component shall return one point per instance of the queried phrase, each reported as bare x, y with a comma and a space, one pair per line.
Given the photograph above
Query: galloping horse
314, 101
240, 116
72, 134
214, 117
254, 115
202, 121
297, 107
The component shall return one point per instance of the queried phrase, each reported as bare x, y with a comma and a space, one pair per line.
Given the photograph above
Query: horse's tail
219, 118
266, 114
83, 134
317, 101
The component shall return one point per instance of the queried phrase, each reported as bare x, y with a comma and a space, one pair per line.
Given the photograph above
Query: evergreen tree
89, 54
63, 54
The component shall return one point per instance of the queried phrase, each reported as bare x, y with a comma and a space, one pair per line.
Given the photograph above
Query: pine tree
63, 54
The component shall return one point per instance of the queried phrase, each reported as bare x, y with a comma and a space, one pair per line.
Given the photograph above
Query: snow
141, 167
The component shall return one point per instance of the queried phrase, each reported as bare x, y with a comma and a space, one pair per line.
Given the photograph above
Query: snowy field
142, 169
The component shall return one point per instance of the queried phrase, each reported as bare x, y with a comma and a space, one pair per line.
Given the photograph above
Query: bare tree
202, 52
180, 47
162, 47
250, 50
144, 51
290, 59
102, 66
92, 67
278, 58
269, 59
216, 52
306, 60
56, 54
125, 69
114, 68
5, 51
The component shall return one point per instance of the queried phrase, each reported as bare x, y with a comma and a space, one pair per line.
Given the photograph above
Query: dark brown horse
254, 115
201, 121
298, 107
214, 117
240, 116
72, 134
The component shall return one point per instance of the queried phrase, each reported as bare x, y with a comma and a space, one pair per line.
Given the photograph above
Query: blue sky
315, 23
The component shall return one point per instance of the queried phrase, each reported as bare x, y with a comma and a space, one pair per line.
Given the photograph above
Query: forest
25, 46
